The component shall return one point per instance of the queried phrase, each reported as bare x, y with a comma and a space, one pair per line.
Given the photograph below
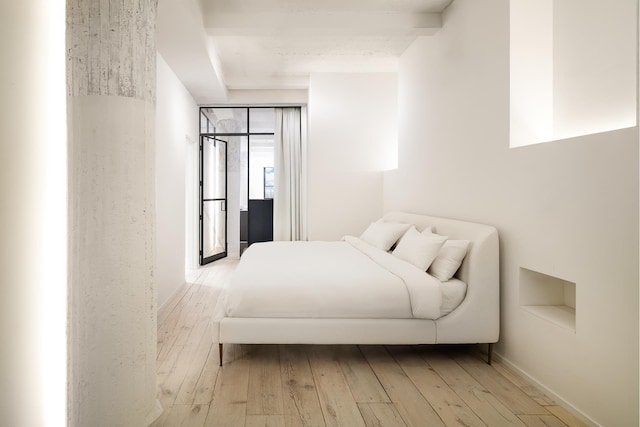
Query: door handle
223, 206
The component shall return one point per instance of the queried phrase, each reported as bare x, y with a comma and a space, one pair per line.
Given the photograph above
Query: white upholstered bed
348, 293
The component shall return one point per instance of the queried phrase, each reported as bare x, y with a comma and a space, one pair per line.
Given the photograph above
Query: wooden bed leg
490, 353
220, 352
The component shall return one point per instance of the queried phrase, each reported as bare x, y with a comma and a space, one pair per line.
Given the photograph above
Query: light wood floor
345, 385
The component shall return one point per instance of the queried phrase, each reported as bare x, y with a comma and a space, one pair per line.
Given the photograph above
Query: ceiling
217, 46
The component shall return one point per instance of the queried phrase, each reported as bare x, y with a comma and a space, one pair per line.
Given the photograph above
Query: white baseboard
161, 306
537, 384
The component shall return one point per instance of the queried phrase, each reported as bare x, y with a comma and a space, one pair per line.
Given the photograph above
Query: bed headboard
480, 270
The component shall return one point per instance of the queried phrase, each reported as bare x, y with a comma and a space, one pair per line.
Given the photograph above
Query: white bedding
347, 279
453, 292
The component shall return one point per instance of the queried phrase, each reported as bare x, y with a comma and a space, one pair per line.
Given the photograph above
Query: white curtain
288, 198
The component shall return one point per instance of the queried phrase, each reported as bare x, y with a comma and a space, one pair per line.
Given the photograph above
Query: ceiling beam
270, 83
321, 23
184, 45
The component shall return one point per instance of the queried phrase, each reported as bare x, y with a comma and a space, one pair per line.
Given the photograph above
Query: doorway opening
213, 198
245, 208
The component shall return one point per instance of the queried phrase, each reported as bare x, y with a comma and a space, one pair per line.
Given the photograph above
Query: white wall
531, 72
32, 172
566, 80
568, 208
176, 144
594, 64
352, 139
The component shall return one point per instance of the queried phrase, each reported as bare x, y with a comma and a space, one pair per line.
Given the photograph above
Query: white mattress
347, 279
269, 283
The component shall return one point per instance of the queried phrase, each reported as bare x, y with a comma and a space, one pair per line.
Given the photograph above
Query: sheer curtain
289, 176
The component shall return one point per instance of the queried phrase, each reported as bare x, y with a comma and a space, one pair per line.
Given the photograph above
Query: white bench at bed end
475, 321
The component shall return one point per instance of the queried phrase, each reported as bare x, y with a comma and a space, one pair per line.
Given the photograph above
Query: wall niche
549, 298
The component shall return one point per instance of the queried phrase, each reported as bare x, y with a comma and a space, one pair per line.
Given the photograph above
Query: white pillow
426, 230
420, 249
383, 235
449, 259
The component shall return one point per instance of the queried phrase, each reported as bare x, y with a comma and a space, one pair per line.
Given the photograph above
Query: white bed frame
475, 320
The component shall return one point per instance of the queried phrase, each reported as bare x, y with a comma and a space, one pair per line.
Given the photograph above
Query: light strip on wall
53, 281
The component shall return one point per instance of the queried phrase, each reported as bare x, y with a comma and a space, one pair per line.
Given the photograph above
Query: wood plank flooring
316, 386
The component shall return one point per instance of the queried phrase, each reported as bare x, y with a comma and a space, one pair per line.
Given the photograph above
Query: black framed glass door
249, 132
213, 199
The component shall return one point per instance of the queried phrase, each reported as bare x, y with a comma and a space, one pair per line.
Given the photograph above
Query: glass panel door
213, 199
261, 186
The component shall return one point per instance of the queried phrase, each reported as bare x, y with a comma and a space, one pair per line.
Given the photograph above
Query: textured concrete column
111, 73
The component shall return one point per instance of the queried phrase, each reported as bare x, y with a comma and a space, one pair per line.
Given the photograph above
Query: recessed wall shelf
549, 298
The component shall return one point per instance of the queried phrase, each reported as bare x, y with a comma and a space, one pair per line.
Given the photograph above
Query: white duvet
346, 279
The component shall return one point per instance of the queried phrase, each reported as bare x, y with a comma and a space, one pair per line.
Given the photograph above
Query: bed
349, 292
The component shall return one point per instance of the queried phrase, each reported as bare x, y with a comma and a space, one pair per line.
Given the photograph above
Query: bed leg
220, 352
490, 353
